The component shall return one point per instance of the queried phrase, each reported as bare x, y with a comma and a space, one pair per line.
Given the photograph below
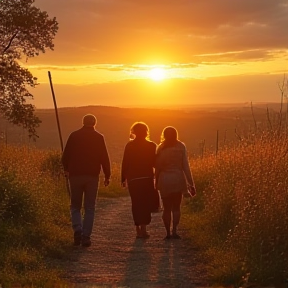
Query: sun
157, 74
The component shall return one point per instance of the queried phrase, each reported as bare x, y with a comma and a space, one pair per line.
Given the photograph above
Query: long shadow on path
117, 259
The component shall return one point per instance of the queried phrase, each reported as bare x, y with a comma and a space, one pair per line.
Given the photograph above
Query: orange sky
212, 51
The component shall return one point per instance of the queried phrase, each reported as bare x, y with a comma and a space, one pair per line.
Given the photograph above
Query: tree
25, 32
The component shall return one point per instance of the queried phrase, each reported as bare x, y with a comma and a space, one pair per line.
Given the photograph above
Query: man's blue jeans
86, 187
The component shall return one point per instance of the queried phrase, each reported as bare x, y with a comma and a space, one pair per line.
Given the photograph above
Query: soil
117, 259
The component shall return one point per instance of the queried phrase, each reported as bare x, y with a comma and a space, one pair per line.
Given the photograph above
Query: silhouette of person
137, 171
173, 178
83, 157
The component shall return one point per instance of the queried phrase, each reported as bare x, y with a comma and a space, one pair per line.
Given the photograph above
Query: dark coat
138, 160
85, 153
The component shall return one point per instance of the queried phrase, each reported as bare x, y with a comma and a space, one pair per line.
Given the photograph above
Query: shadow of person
169, 266
138, 266
175, 267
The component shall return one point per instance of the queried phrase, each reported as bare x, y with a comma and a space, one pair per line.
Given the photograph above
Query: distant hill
194, 124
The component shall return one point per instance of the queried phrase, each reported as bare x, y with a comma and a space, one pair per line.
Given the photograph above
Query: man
84, 155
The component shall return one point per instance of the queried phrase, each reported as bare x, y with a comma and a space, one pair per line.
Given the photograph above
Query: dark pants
141, 191
83, 187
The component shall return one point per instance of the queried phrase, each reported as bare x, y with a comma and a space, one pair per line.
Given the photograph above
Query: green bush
16, 203
34, 218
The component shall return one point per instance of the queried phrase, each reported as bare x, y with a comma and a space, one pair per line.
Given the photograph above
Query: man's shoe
77, 238
86, 242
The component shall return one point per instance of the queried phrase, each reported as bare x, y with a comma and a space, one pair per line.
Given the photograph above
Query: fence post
217, 142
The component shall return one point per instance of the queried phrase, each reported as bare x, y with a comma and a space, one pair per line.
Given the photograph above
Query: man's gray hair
89, 120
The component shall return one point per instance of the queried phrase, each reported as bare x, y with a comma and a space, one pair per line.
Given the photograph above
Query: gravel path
117, 259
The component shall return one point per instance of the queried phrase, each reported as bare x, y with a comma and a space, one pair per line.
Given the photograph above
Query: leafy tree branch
25, 31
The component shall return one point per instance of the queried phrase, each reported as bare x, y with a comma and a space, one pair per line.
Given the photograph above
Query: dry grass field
239, 219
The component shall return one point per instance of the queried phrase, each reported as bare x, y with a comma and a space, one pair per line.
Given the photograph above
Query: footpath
117, 259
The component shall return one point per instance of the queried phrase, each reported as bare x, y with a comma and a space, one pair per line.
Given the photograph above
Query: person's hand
106, 182
192, 190
123, 184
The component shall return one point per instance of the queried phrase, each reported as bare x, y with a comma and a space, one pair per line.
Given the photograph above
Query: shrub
34, 217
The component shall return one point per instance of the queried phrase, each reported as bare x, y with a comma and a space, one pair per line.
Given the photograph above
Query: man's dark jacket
85, 153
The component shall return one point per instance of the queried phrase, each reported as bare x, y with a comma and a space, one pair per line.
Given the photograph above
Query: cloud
232, 89
55, 68
240, 56
109, 67
163, 31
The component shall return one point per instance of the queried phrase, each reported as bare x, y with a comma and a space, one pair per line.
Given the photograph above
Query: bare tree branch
10, 42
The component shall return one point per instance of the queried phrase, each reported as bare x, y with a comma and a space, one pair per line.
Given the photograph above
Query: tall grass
34, 217
35, 226
241, 217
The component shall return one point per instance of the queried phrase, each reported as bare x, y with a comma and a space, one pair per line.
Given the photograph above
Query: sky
163, 52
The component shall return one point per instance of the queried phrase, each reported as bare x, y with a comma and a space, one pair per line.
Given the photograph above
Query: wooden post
56, 111
58, 125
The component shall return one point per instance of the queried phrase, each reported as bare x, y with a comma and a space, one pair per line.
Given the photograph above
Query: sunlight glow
157, 74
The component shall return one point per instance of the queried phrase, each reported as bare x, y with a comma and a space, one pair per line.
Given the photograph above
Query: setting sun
157, 74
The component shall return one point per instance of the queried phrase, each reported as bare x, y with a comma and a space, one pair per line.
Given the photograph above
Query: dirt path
117, 259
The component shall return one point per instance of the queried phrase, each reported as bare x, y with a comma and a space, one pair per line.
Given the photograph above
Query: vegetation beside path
34, 219
35, 224
239, 219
